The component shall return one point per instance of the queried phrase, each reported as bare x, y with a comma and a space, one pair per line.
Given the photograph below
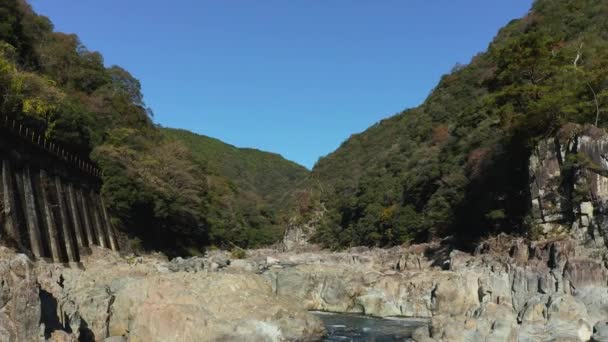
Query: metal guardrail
53, 148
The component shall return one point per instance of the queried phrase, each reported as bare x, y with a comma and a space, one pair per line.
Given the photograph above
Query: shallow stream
359, 328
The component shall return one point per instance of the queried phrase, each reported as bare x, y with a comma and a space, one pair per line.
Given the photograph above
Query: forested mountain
457, 165
248, 188
162, 191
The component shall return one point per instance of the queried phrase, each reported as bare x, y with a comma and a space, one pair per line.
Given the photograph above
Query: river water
358, 328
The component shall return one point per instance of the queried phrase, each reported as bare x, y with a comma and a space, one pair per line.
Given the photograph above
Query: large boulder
320, 287
556, 318
229, 306
600, 332
490, 322
142, 300
19, 299
347, 288
299, 231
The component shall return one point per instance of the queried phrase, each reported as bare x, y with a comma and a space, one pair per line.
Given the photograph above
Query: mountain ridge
457, 164
264, 179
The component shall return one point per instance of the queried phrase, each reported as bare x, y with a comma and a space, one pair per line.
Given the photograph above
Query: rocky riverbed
126, 298
508, 290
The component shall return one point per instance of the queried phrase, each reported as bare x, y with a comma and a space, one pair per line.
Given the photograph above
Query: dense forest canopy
249, 188
457, 165
163, 191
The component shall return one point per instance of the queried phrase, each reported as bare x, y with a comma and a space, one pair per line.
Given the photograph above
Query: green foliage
457, 165
496, 215
534, 230
238, 253
246, 189
177, 195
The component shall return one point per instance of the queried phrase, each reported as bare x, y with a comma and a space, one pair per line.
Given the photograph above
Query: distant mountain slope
251, 187
268, 175
457, 165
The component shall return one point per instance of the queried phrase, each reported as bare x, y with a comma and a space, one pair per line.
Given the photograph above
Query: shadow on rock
48, 315
86, 334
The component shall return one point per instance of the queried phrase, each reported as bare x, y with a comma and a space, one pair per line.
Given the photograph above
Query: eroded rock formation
569, 184
150, 299
19, 301
510, 290
299, 233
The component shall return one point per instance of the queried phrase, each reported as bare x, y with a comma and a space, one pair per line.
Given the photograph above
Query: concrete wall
49, 201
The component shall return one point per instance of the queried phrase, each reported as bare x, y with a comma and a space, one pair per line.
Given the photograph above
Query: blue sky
295, 77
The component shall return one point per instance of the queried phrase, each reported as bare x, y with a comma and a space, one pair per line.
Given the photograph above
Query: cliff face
298, 234
569, 185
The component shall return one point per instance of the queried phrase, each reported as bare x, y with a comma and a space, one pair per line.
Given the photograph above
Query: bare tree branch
579, 54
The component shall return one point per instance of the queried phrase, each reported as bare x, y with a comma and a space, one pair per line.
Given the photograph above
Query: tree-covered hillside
457, 165
157, 191
248, 188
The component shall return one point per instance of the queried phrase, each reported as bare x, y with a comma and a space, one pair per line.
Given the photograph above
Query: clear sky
295, 77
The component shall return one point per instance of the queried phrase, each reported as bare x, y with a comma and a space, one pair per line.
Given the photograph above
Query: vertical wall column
49, 217
99, 229
11, 227
50, 206
105, 228
86, 220
73, 208
65, 227
31, 214
109, 226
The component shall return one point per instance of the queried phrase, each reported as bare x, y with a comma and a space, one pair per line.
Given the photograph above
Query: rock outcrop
142, 299
349, 289
569, 185
556, 293
298, 234
19, 301
510, 290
